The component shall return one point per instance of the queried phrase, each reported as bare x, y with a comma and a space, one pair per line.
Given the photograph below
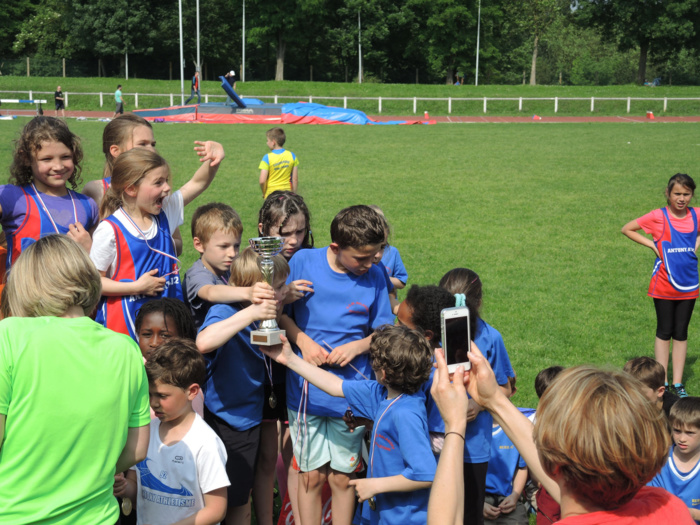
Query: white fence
415, 100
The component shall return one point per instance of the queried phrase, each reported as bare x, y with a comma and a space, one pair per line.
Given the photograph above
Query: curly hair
35, 132
426, 303
404, 355
278, 208
176, 362
173, 308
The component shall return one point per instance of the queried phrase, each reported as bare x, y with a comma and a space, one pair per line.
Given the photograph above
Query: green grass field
535, 210
302, 90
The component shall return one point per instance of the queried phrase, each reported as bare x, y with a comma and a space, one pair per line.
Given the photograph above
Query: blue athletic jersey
505, 460
236, 375
135, 258
394, 265
685, 485
400, 445
477, 446
343, 308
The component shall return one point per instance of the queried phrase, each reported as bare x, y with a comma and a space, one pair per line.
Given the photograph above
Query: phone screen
457, 339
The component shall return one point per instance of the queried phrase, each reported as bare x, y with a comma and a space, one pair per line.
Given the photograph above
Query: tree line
581, 42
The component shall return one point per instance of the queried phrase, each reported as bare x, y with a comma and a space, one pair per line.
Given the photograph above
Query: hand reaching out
210, 150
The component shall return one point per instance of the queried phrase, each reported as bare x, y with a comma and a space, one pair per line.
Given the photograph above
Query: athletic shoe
680, 390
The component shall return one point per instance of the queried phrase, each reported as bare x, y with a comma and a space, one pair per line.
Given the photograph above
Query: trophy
267, 247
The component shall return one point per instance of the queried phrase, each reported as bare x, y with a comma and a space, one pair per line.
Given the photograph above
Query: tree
46, 31
666, 25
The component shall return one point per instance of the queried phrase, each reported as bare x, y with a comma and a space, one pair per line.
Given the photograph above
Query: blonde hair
596, 429
129, 170
213, 217
245, 269
49, 277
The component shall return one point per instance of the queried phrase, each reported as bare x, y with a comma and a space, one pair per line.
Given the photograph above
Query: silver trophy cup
267, 247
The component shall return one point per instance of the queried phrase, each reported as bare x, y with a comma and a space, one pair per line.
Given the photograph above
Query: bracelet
456, 434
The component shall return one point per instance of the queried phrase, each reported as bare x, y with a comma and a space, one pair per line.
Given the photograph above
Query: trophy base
266, 337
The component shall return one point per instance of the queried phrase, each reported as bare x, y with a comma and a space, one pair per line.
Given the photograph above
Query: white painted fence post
206, 99
171, 99
449, 105
345, 102
520, 104
556, 104
310, 99
380, 104
65, 99
136, 99
484, 104
665, 103
415, 102
629, 101
102, 101
592, 104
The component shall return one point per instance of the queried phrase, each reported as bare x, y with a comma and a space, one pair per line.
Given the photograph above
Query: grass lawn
44, 87
535, 210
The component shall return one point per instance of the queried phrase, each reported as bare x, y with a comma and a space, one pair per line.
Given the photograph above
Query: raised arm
218, 334
211, 154
284, 355
486, 392
222, 293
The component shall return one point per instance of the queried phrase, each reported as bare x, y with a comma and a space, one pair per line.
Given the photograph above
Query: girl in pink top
674, 282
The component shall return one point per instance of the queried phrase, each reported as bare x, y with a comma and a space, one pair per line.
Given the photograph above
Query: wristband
456, 434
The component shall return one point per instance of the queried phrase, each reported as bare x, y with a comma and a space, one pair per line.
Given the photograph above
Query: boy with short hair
401, 467
332, 326
216, 235
279, 168
652, 375
184, 474
681, 473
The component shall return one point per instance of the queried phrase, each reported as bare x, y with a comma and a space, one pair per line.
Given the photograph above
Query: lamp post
199, 64
478, 33
182, 58
359, 46
243, 44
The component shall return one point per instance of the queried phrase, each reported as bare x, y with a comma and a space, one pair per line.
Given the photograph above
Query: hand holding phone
456, 337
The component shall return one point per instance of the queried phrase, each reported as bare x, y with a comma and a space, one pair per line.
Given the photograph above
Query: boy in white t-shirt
184, 475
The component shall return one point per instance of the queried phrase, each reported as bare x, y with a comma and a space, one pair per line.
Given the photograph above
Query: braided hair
176, 309
278, 208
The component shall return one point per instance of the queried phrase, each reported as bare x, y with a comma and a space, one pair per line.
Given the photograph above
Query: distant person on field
195, 89
681, 473
58, 99
119, 101
279, 168
231, 79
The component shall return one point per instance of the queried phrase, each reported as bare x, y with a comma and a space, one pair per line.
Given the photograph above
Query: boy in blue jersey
681, 474
401, 467
332, 327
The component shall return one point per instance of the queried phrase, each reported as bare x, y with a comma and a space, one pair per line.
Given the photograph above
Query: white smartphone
456, 337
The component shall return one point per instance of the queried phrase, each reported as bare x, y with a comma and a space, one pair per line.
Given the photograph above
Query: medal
372, 503
272, 400
126, 506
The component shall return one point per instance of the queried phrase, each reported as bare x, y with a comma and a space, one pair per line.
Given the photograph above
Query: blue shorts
320, 440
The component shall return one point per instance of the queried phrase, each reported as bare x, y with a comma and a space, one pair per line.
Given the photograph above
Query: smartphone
456, 337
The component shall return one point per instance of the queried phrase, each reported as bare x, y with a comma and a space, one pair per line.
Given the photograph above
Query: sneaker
680, 390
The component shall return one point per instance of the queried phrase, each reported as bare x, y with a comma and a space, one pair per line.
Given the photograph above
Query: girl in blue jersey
37, 202
477, 447
283, 214
236, 377
133, 247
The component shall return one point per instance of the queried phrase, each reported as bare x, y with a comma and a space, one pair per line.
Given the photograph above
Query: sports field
536, 210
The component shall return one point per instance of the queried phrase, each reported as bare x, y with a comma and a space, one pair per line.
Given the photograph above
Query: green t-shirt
70, 389
118, 96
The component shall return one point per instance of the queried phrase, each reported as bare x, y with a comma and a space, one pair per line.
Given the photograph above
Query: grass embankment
45, 86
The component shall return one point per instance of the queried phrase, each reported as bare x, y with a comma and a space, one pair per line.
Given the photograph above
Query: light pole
478, 33
243, 44
182, 59
199, 64
359, 45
